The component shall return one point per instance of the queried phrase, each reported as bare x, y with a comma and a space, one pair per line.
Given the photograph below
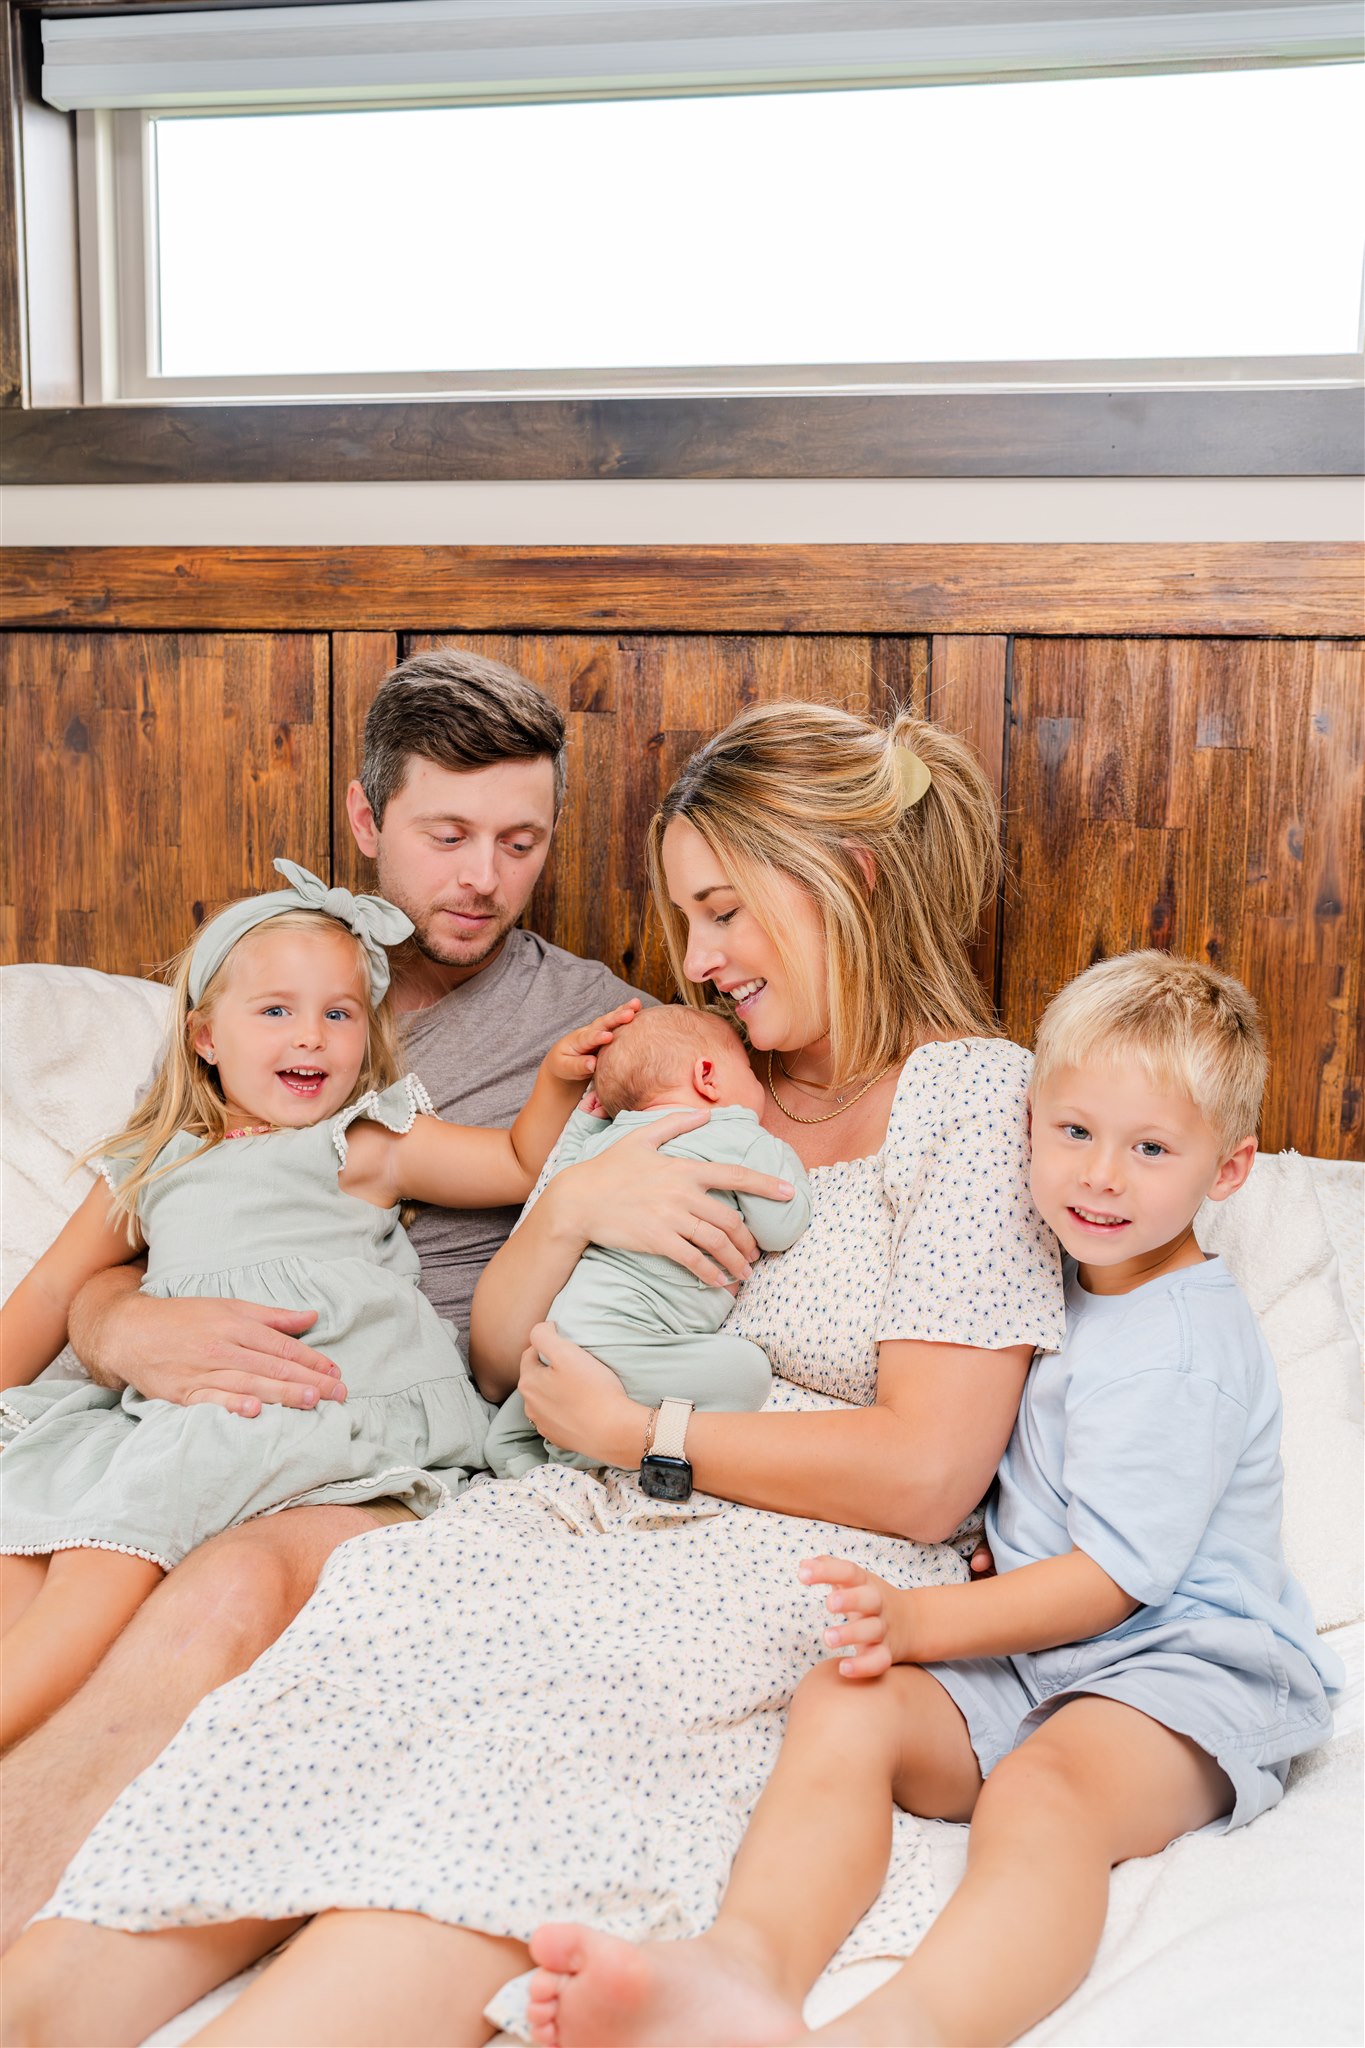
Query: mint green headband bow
375, 922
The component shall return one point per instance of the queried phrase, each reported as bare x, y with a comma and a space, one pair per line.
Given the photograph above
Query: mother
556, 1696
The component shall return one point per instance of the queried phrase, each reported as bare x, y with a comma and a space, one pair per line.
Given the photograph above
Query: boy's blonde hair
802, 790
653, 1052
1191, 1029
186, 1096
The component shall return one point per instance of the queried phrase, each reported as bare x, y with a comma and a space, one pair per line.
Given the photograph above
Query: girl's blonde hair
186, 1096
1191, 1029
801, 790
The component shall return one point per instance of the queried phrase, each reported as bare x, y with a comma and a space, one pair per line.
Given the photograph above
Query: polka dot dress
554, 1697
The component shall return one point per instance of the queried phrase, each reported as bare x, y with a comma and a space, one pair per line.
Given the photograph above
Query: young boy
655, 1324
1142, 1666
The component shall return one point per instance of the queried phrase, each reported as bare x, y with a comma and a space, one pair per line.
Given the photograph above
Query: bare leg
1096, 1784
75, 1986
211, 1617
811, 1864
87, 1598
355, 1979
21, 1581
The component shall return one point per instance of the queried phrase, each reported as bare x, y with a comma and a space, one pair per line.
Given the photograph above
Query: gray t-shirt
477, 1051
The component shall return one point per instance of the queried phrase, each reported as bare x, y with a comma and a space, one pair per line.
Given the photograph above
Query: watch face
666, 1478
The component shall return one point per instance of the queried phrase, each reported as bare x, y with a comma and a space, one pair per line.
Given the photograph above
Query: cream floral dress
554, 1697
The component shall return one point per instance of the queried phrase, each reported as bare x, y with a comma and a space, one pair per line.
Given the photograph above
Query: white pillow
79, 1049
1272, 1237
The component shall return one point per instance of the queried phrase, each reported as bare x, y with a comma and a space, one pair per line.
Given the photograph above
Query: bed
1250, 1939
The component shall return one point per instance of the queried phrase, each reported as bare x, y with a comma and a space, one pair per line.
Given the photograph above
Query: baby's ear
704, 1079
1233, 1172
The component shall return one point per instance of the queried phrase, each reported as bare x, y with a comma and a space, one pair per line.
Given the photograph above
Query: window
1195, 218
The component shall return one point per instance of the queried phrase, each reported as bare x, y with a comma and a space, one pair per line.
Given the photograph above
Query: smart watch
664, 1472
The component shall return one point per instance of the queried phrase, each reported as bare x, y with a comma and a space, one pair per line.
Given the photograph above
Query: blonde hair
654, 1050
185, 1094
1192, 1031
802, 789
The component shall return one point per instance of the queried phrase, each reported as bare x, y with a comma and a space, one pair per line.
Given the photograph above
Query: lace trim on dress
12, 1416
419, 1103
84, 1543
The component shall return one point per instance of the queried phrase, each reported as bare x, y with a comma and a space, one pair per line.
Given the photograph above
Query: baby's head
1144, 1100
676, 1058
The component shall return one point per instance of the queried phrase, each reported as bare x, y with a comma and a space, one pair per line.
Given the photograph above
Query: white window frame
118, 235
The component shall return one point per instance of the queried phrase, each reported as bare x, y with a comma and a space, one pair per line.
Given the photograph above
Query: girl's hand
578, 1403
868, 1616
574, 1057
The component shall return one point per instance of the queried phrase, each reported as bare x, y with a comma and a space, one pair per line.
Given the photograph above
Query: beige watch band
670, 1429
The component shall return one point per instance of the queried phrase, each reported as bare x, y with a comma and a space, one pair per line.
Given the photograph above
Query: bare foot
593, 1991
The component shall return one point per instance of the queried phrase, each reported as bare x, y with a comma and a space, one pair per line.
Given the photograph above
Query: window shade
476, 49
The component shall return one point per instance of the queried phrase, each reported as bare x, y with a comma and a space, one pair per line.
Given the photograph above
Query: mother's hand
631, 1199
578, 1403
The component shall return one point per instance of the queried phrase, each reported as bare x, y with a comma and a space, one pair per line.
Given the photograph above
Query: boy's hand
868, 1612
574, 1057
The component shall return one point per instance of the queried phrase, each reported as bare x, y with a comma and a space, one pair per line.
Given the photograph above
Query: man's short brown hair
461, 711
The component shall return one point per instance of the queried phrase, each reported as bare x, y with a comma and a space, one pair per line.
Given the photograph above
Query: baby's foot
593, 1991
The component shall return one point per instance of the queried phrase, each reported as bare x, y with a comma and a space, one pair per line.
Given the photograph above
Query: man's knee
242, 1589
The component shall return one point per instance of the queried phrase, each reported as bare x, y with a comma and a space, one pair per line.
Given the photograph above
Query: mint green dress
259, 1219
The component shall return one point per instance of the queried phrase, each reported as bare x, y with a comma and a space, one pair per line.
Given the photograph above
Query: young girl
266, 1163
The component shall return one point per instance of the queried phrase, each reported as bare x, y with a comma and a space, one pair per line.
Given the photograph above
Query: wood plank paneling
360, 662
149, 778
636, 707
1290, 588
1242, 431
1205, 797
967, 695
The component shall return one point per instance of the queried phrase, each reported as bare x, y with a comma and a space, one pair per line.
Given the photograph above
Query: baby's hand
864, 1606
574, 1057
590, 1106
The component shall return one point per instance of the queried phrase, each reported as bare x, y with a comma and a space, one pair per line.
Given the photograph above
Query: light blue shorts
1247, 1697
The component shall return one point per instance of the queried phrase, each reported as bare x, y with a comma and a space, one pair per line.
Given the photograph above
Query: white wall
625, 512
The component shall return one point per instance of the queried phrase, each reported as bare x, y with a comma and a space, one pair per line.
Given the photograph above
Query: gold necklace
830, 1114
250, 1131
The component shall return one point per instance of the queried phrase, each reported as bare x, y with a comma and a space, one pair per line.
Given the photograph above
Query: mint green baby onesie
655, 1324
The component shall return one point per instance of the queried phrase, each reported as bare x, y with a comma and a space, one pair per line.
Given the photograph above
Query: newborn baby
655, 1324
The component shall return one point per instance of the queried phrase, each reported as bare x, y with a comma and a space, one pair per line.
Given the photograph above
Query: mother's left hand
578, 1403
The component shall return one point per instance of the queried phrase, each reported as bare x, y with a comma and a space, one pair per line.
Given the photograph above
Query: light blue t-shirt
1151, 1441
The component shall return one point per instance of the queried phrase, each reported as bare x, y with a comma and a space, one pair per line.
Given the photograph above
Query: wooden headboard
1177, 733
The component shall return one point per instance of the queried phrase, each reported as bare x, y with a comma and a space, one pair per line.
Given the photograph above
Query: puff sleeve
972, 1260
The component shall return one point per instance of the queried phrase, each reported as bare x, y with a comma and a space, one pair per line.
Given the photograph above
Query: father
457, 800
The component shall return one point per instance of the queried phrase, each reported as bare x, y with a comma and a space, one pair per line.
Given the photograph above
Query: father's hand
237, 1354
631, 1199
